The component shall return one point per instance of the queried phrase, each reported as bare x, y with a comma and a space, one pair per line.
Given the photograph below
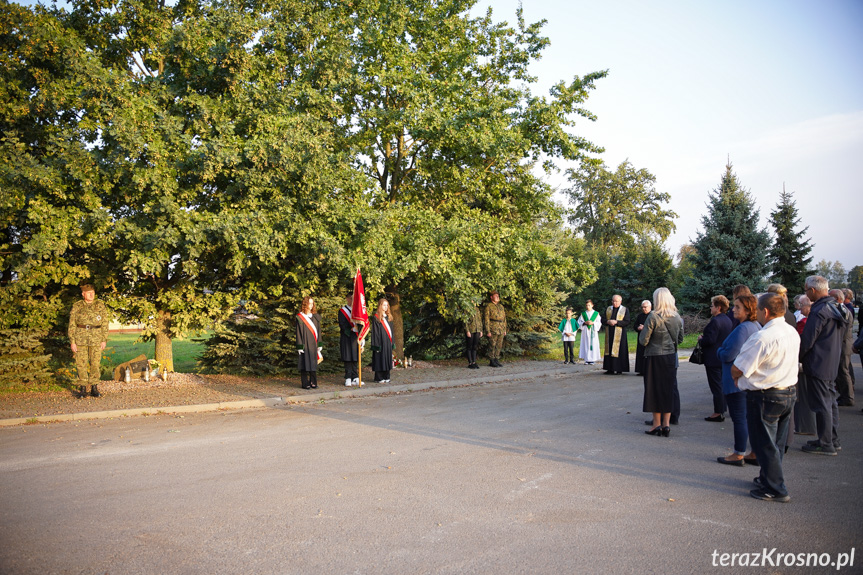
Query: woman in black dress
382, 342
662, 333
309, 343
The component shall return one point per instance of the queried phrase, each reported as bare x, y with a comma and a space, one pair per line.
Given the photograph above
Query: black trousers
351, 370
569, 351
382, 375
472, 344
714, 381
309, 379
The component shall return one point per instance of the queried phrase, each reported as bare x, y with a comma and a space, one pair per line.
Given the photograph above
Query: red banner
359, 314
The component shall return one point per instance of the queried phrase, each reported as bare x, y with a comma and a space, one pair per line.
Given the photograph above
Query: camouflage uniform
494, 317
88, 328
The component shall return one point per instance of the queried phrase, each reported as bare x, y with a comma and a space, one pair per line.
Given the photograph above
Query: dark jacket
348, 349
822, 339
714, 334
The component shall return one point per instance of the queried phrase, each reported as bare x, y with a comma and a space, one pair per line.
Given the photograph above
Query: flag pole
360, 362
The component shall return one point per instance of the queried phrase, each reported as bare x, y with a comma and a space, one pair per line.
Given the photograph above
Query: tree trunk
164, 351
397, 324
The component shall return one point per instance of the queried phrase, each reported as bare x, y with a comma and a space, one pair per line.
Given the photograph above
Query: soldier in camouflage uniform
494, 317
88, 332
473, 334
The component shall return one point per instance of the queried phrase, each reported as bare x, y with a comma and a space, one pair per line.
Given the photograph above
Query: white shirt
768, 359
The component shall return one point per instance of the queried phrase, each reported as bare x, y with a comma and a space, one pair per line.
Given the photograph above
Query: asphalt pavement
549, 472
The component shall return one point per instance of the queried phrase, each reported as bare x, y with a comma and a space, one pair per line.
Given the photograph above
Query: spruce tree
730, 250
789, 256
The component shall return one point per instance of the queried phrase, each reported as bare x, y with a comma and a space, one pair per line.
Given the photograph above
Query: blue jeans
768, 415
736, 403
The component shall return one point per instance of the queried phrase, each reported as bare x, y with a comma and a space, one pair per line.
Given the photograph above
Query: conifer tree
789, 256
730, 250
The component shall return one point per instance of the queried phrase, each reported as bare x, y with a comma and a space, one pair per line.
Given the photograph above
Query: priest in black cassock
615, 320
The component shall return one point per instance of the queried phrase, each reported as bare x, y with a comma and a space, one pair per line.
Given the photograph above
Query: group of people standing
774, 371
309, 343
615, 354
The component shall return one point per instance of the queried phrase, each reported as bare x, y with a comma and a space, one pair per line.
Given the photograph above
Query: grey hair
818, 283
837, 294
648, 302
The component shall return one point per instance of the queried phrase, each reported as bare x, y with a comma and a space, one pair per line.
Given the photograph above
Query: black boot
82, 391
94, 391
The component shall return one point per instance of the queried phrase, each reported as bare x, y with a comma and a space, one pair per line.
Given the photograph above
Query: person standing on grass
88, 334
589, 324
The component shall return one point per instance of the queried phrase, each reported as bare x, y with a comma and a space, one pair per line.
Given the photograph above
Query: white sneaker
355, 381
348, 383
386, 381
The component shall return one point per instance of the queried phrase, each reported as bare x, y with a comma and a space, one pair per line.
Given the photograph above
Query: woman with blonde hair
780, 289
309, 343
382, 342
662, 333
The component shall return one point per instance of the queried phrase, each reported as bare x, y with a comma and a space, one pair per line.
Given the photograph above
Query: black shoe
766, 495
845, 403
751, 460
715, 418
666, 431
734, 462
655, 431
674, 422
648, 422
94, 391
82, 391
758, 483
818, 450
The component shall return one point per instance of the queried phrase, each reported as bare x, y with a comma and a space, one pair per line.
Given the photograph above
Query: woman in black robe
646, 306
308, 343
382, 342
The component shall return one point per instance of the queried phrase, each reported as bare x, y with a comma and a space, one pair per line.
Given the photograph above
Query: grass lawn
123, 347
689, 341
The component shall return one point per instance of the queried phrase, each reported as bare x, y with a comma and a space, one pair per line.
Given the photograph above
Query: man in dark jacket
820, 347
845, 377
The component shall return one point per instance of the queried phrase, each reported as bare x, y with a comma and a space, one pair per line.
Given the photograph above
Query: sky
774, 86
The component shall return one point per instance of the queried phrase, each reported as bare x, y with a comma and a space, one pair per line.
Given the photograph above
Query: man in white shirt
766, 369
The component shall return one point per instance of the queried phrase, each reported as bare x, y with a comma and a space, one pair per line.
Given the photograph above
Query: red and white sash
310, 324
347, 313
387, 328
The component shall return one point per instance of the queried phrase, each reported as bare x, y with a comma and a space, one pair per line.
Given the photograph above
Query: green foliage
730, 250
186, 157
789, 255
834, 272
618, 209
855, 281
22, 360
620, 216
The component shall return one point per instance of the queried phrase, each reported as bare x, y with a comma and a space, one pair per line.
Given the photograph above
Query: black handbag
697, 356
